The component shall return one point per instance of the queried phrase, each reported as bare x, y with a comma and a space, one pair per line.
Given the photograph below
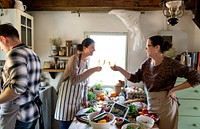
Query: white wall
69, 26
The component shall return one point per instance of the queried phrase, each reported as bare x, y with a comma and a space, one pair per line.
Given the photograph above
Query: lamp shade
174, 4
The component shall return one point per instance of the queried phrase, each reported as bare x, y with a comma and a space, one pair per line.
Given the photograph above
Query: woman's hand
98, 68
85, 104
172, 94
114, 68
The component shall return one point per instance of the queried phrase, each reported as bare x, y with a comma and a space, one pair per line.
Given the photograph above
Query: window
111, 48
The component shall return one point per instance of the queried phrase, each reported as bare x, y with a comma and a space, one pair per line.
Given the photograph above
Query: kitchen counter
76, 124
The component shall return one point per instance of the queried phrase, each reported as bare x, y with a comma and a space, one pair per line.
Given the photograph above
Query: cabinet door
187, 122
26, 26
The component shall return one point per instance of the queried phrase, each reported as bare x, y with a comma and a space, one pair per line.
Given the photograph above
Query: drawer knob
195, 125
196, 91
195, 108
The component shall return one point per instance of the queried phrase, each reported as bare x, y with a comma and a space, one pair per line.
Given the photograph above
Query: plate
130, 124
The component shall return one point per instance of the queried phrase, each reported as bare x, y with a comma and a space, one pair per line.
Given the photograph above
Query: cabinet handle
196, 91
195, 108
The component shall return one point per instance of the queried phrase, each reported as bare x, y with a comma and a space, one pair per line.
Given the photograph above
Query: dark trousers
25, 125
65, 124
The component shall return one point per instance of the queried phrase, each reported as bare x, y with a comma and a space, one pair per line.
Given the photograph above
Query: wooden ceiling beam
94, 5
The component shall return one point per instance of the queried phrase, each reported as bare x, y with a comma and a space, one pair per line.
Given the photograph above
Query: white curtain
131, 21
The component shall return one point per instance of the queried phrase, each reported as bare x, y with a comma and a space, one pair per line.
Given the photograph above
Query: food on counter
91, 96
134, 92
113, 94
145, 121
145, 112
100, 117
133, 112
131, 127
102, 96
119, 120
91, 109
92, 103
106, 125
102, 121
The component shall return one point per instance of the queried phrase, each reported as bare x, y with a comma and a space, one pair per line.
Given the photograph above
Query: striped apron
69, 101
165, 107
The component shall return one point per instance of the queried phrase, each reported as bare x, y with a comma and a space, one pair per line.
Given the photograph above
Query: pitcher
19, 5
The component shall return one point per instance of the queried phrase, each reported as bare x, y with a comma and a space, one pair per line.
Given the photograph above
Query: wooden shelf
53, 72
59, 56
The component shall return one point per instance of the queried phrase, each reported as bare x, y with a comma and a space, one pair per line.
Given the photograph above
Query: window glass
111, 48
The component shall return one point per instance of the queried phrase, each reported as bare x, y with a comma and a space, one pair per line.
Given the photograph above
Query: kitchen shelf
53, 72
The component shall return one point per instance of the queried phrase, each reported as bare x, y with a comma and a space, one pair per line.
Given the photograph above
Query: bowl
125, 126
96, 125
145, 121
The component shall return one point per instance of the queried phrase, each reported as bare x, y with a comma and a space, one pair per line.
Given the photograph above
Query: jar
47, 65
62, 51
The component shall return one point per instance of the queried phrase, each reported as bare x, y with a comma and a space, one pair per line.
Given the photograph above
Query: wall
69, 26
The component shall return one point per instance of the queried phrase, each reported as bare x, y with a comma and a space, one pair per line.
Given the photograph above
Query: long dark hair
159, 40
85, 43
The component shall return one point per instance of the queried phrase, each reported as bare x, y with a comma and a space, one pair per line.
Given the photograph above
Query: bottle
188, 59
121, 98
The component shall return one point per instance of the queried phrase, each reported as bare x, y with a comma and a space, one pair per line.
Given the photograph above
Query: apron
165, 107
8, 115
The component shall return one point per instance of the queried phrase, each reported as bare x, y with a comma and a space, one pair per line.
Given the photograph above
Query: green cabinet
189, 111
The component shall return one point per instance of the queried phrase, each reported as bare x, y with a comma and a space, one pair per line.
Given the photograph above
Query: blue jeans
65, 124
25, 125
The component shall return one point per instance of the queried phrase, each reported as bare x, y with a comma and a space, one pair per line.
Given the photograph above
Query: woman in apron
74, 84
159, 74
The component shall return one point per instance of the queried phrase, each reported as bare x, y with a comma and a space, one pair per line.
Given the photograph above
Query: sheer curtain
131, 21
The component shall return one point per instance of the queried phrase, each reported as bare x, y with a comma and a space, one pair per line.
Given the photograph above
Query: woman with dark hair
73, 89
159, 74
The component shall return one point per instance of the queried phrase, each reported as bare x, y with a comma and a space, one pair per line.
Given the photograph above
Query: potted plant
98, 88
55, 43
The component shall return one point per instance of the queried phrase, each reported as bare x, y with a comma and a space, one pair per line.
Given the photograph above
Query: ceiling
97, 5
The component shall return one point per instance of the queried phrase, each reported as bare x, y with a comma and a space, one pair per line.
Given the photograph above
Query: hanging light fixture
173, 9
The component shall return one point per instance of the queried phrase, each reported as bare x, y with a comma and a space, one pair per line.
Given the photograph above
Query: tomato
118, 119
107, 119
144, 110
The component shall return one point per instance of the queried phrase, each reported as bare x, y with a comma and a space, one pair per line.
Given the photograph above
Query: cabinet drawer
190, 93
189, 107
186, 122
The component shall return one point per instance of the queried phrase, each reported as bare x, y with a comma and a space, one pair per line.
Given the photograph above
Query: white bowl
96, 125
145, 121
125, 126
